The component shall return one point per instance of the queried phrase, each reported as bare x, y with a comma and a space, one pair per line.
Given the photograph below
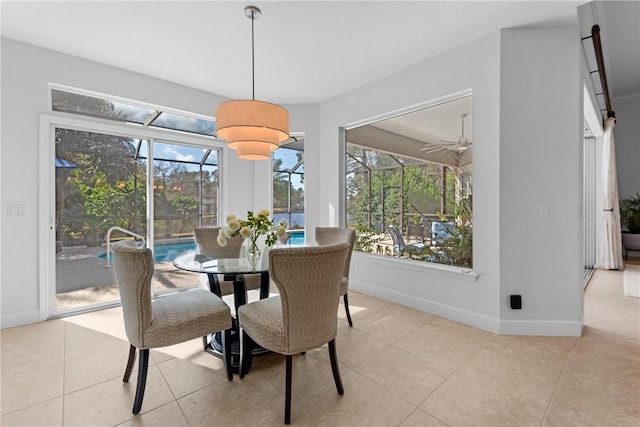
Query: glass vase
253, 254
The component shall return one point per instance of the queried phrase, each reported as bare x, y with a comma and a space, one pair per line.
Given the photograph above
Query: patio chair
333, 235
303, 317
441, 231
165, 321
399, 245
417, 231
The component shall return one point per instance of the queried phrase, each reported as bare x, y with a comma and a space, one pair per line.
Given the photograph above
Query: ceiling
305, 51
621, 44
407, 134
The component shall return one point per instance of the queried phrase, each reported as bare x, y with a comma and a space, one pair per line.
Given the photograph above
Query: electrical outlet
515, 302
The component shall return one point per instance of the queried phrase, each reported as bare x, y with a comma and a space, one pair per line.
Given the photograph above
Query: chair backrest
308, 280
396, 235
284, 238
207, 240
442, 230
332, 235
134, 269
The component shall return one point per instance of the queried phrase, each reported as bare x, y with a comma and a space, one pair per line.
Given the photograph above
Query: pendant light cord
253, 71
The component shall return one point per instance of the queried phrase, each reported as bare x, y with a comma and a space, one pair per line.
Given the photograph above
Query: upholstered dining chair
332, 235
207, 241
168, 320
303, 316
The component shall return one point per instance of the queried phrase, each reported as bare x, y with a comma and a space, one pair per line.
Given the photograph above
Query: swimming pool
296, 237
165, 252
170, 251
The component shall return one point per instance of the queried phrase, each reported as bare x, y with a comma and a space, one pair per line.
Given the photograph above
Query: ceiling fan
460, 145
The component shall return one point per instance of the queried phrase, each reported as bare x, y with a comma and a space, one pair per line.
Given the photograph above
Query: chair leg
346, 308
130, 362
142, 380
205, 342
226, 352
287, 397
334, 366
245, 353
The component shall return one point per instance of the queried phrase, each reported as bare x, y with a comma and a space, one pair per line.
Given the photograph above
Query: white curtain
610, 251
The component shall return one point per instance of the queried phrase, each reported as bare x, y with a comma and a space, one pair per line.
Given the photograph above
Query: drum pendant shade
253, 128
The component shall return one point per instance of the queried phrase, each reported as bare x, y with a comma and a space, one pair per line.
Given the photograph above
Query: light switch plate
543, 211
15, 211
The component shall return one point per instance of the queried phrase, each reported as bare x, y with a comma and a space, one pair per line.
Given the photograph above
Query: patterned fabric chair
207, 240
284, 238
303, 316
165, 321
332, 235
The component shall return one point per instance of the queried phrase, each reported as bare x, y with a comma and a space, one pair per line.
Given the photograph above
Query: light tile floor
400, 367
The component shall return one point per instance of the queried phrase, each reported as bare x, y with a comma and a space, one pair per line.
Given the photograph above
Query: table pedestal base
214, 346
213, 343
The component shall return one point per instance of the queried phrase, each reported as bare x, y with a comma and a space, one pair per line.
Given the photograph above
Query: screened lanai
409, 184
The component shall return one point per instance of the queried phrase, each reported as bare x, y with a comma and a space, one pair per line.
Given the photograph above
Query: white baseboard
19, 319
546, 328
443, 310
477, 320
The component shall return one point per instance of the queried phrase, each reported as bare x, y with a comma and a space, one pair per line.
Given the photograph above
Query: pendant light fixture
253, 128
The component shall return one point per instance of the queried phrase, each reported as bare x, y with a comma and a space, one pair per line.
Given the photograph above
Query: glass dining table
236, 271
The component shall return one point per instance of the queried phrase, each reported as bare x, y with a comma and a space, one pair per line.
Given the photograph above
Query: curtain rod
597, 46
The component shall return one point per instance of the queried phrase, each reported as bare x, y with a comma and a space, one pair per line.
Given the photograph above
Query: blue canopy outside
62, 163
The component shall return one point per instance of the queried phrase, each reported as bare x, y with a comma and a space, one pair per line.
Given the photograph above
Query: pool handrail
108, 239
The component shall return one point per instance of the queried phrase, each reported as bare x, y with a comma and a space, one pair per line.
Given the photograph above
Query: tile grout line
444, 381
555, 388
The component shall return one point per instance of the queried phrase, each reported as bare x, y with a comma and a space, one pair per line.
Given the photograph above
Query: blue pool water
166, 253
296, 237
169, 252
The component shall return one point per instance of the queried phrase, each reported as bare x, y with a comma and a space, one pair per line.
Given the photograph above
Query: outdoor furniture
399, 245
441, 231
303, 316
165, 321
421, 232
333, 235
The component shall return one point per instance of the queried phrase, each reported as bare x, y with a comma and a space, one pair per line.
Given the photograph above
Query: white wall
527, 131
627, 138
26, 73
541, 170
474, 66
546, 279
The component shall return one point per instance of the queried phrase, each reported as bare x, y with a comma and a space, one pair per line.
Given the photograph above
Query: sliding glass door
105, 186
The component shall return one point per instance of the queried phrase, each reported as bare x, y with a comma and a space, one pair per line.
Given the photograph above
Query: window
105, 108
288, 184
409, 184
108, 181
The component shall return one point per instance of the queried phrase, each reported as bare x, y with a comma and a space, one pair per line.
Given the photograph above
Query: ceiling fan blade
431, 149
435, 148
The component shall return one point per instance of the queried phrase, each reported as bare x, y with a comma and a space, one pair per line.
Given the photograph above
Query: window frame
54, 119
432, 266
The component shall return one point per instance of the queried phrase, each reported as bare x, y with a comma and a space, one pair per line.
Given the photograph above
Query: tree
103, 163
